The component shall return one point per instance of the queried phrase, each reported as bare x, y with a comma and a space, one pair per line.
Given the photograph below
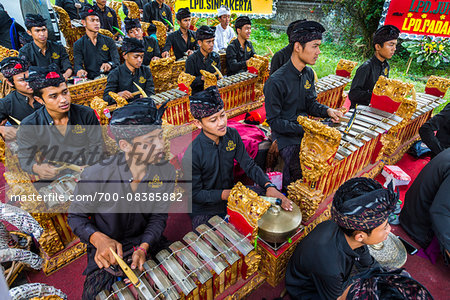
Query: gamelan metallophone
235, 90
329, 90
425, 105
202, 267
357, 146
330, 156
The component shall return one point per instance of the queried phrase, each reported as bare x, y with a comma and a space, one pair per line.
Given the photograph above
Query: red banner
418, 18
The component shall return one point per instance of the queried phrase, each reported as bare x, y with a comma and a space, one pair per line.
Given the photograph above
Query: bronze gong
277, 225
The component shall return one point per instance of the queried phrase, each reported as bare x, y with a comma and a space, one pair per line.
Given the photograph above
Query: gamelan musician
290, 92
214, 151
125, 226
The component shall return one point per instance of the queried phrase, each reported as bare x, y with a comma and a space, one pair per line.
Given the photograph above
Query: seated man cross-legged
214, 151
126, 226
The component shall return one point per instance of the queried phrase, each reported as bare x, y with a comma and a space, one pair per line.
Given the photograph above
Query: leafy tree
357, 19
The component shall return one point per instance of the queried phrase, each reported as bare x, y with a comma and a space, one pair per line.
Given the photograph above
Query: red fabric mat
434, 277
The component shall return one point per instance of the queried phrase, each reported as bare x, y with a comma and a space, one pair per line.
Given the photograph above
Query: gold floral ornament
161, 33
186, 79
71, 34
398, 91
261, 64
440, 83
133, 9
162, 73
346, 65
306, 197
319, 145
116, 5
248, 204
209, 78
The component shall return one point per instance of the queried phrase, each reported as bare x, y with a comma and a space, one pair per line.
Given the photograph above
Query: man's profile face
57, 98
21, 84
388, 49
309, 53
134, 59
136, 33
378, 235
215, 124
245, 31
92, 23
39, 34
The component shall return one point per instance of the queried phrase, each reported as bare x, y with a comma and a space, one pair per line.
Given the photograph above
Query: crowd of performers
322, 266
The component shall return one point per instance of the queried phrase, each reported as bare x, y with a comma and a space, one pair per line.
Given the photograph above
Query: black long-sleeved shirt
440, 123
175, 40
427, 210
82, 144
197, 62
152, 12
69, 7
120, 220
90, 57
237, 57
151, 49
211, 166
16, 105
322, 262
290, 93
280, 58
365, 78
55, 53
108, 18
122, 79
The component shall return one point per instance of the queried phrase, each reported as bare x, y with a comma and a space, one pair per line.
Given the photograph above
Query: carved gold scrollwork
209, 78
346, 65
308, 199
440, 83
318, 147
248, 204
187, 80
133, 9
162, 73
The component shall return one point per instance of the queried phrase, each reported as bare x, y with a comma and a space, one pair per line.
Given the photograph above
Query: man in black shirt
214, 151
157, 10
20, 102
290, 92
385, 43
441, 124
203, 58
41, 52
107, 15
72, 7
122, 80
284, 55
321, 265
93, 53
124, 225
60, 130
183, 40
426, 212
151, 47
240, 50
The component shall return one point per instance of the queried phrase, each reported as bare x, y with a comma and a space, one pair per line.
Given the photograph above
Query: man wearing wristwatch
94, 53
211, 163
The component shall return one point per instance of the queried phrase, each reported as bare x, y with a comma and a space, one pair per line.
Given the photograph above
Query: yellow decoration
105, 48
231, 146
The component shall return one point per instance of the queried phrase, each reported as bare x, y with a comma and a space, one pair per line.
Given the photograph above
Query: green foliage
357, 20
434, 53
